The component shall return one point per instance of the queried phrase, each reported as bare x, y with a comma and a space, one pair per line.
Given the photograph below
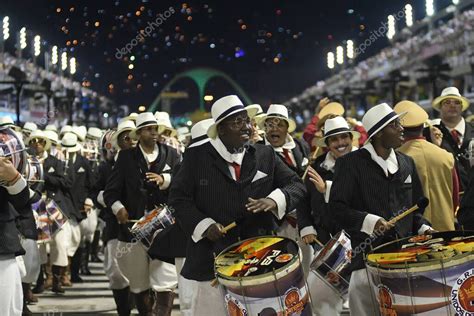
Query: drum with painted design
424, 275
12, 147
263, 276
147, 228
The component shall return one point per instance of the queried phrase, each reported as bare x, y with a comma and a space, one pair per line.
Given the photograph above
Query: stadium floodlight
54, 55
23, 38
340, 55
6, 28
72, 65
409, 15
63, 61
37, 45
391, 27
350, 49
331, 60
430, 9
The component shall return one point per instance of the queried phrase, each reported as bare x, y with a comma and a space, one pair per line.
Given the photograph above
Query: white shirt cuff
423, 229
100, 198
166, 181
328, 191
116, 207
369, 223
201, 228
17, 187
89, 202
308, 230
280, 200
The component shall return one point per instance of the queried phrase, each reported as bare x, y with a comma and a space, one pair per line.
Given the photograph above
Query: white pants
88, 226
11, 292
186, 289
65, 243
361, 297
325, 301
142, 272
44, 249
117, 280
31, 260
207, 300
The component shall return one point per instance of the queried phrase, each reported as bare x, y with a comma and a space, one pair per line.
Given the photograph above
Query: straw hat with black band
450, 93
143, 120
377, 118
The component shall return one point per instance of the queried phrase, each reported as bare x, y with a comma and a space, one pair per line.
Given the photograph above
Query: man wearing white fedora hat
138, 183
315, 220
118, 283
457, 133
199, 133
225, 180
370, 186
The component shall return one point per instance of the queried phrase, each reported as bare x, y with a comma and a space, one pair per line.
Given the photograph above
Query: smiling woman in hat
457, 133
222, 181
370, 186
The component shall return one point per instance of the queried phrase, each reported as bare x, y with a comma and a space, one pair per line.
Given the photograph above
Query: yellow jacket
435, 168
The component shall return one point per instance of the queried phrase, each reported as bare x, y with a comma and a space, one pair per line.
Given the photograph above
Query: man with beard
137, 185
222, 181
370, 186
315, 220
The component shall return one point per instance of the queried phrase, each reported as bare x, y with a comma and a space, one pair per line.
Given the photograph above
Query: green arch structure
201, 77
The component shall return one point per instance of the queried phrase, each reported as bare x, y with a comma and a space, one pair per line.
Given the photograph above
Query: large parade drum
424, 275
34, 170
12, 147
263, 276
331, 263
49, 217
151, 225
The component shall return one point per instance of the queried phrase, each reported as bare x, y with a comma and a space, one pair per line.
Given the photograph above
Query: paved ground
89, 298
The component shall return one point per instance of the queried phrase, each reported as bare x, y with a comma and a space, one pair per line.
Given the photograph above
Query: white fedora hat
94, 133
143, 120
183, 132
80, 131
70, 143
127, 125
164, 123
335, 126
51, 127
41, 135
256, 107
30, 126
199, 133
65, 129
7, 121
225, 107
131, 117
377, 118
53, 136
450, 93
277, 111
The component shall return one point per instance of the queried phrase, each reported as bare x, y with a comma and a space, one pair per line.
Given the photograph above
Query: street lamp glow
54, 55
455, 2
37, 45
331, 60
131, 66
63, 61
208, 98
350, 49
72, 65
409, 15
23, 38
6, 28
430, 7
391, 27
340, 55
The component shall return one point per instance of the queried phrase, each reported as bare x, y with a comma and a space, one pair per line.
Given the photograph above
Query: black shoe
76, 279
85, 271
95, 258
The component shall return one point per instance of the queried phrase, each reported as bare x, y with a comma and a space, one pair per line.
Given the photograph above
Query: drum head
256, 257
12, 147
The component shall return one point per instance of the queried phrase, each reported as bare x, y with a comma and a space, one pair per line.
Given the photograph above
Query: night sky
273, 49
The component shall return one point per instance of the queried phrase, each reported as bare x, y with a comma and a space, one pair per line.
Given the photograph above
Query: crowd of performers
243, 165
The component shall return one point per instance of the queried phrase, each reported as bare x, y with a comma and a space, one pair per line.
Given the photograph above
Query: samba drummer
314, 218
370, 186
227, 180
138, 183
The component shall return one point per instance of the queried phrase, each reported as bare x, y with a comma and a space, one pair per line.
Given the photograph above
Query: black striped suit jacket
204, 188
360, 187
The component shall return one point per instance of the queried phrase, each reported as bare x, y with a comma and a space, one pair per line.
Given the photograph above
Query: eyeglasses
239, 122
37, 141
276, 123
127, 138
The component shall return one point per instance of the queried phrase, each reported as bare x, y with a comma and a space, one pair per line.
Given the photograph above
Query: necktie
288, 158
456, 137
236, 170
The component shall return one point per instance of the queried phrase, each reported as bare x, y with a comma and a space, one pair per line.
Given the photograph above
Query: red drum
152, 224
263, 276
424, 275
331, 263
12, 147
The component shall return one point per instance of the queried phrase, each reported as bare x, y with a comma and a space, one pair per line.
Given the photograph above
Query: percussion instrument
263, 276
424, 275
34, 170
147, 228
49, 219
12, 147
331, 263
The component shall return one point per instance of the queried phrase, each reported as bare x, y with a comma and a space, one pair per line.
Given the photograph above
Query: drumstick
214, 282
133, 220
422, 203
309, 164
232, 225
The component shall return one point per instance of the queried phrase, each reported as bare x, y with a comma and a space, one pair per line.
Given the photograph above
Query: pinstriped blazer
204, 187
